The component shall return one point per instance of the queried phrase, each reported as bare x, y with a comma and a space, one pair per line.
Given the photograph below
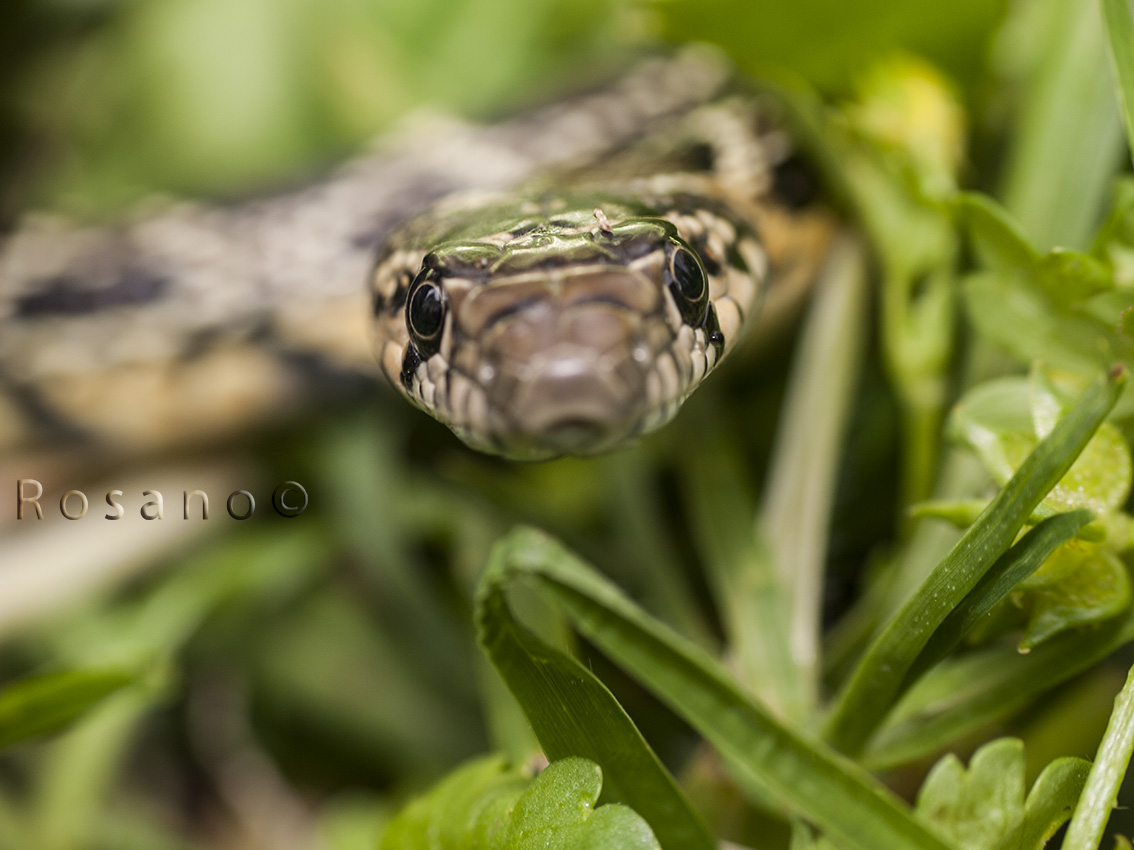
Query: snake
554, 284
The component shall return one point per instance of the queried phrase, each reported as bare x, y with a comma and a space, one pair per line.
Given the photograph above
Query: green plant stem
1099, 796
797, 510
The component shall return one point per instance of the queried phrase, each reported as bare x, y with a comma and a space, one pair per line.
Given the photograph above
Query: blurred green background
300, 680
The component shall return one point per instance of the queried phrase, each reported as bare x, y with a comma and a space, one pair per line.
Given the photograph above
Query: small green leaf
471, 804
997, 237
558, 813
991, 419
486, 805
984, 808
986, 417
1069, 277
1100, 479
1096, 588
980, 808
41, 705
1050, 803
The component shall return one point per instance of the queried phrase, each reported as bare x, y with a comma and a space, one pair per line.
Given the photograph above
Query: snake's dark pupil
426, 314
690, 289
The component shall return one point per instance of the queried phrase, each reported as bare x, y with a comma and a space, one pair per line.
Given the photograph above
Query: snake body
533, 319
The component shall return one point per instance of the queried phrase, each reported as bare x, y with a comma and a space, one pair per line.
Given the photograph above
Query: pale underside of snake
554, 284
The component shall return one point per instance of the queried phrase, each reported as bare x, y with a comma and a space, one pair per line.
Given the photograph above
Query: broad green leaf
486, 805
765, 756
980, 808
881, 674
574, 714
41, 705
1098, 798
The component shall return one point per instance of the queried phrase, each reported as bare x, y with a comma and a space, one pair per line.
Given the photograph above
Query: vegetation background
290, 685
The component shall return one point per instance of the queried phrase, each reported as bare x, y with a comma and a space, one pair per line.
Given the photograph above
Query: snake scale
553, 284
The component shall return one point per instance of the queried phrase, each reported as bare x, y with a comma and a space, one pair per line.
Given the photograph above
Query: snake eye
688, 285
425, 313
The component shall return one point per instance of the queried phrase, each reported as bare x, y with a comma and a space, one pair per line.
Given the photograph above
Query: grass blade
574, 714
802, 480
877, 681
809, 779
1015, 565
960, 697
1119, 25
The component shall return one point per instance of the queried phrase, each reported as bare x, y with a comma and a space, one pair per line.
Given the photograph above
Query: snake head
560, 332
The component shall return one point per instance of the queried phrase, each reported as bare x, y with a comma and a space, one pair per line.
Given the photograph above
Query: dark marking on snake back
65, 296
795, 183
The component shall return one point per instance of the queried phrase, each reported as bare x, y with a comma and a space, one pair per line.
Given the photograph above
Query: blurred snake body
553, 284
